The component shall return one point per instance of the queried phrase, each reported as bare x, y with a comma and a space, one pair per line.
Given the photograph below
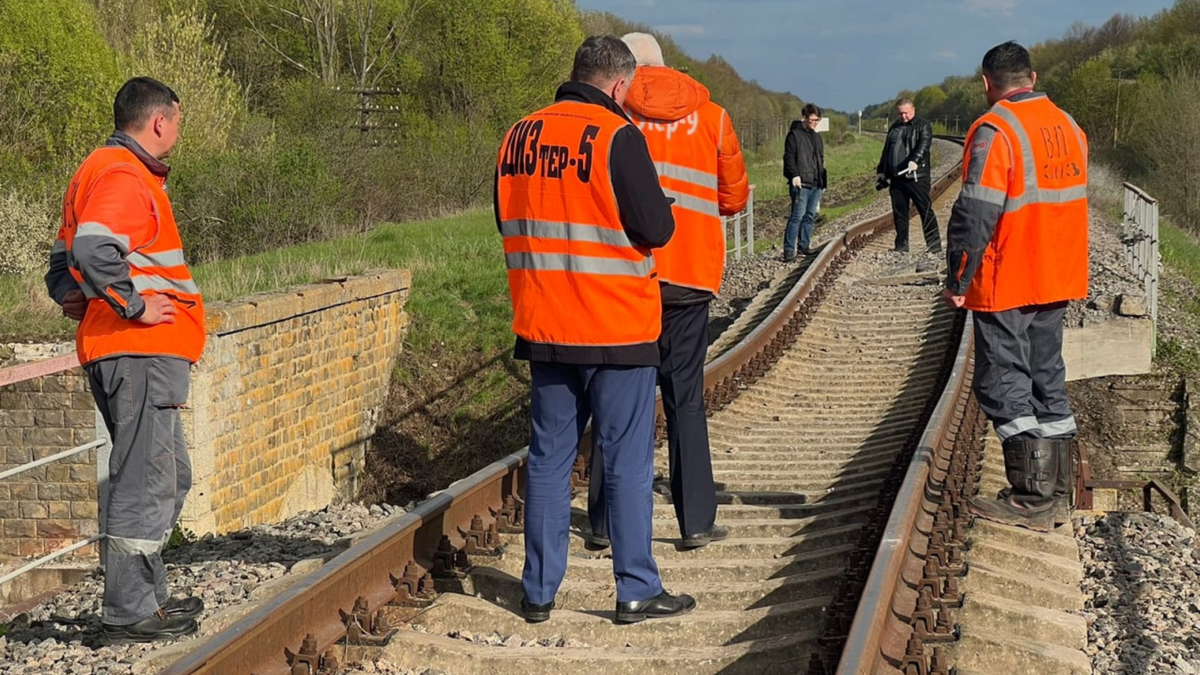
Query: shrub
28, 228
179, 49
58, 77
259, 194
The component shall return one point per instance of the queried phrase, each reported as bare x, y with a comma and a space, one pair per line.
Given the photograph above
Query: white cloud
945, 55
681, 29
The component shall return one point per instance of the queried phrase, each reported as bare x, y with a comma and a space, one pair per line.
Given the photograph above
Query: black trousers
682, 346
903, 192
1020, 377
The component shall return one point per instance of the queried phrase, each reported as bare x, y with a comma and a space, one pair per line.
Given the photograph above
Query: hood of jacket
662, 93
797, 125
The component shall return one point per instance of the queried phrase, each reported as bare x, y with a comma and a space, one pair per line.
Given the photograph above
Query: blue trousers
620, 400
805, 202
681, 346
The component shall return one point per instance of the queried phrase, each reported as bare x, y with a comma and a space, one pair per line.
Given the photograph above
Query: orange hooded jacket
700, 165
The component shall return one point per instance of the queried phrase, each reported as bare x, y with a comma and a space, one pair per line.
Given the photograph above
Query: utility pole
859, 122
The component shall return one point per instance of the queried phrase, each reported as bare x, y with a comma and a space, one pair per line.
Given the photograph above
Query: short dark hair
1008, 65
139, 99
810, 109
602, 59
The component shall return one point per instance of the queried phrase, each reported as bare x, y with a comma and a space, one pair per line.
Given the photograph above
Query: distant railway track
844, 445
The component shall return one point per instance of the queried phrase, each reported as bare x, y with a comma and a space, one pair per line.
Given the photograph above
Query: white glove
912, 168
879, 178
797, 182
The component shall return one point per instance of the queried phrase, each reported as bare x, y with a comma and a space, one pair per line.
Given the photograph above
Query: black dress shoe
536, 613
662, 605
806, 251
183, 608
595, 542
704, 538
157, 626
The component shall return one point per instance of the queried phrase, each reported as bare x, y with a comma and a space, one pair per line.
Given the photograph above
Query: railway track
843, 446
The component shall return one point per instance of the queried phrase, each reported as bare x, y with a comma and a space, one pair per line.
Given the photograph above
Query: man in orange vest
700, 166
118, 268
1017, 252
578, 204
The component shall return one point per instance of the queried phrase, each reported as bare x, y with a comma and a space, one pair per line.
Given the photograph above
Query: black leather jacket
906, 143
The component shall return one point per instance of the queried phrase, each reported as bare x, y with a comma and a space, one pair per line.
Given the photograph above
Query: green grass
459, 297
1179, 250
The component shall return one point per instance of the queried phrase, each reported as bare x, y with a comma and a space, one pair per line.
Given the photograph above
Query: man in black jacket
904, 164
804, 167
580, 208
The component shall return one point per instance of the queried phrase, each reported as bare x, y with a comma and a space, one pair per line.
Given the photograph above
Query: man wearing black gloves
904, 165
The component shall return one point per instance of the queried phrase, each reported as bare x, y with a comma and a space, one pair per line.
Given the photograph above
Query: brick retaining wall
283, 404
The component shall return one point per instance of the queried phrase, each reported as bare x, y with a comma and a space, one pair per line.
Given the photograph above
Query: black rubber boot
1064, 484
1032, 470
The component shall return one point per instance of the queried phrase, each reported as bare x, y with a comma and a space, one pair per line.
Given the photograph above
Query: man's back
700, 165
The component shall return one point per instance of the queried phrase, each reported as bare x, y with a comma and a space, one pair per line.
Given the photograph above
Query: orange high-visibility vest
1037, 171
575, 277
691, 170
156, 264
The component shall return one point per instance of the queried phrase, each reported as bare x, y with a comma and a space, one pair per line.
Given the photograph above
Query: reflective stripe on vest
1038, 252
574, 276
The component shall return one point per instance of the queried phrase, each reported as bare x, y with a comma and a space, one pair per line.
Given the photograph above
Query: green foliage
261, 193
57, 77
179, 536
27, 229
496, 60
178, 50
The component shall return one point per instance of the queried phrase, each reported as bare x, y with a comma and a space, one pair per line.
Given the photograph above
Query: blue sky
845, 54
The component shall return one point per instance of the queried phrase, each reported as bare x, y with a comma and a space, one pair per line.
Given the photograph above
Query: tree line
1132, 83
303, 119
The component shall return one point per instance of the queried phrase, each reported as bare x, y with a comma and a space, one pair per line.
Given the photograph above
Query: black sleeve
790, 151
922, 142
496, 199
645, 210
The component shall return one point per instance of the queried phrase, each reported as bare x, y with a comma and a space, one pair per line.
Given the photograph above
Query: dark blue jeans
805, 202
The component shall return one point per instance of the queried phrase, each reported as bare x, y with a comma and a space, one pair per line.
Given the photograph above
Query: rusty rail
343, 601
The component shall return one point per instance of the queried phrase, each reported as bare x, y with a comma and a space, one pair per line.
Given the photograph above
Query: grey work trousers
149, 474
1020, 377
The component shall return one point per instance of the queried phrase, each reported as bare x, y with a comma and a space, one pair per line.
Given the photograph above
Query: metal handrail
746, 216
28, 466
21, 373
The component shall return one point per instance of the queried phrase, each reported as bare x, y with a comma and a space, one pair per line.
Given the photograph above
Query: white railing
743, 230
21, 373
1139, 233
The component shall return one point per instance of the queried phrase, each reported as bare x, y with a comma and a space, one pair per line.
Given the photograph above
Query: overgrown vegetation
304, 120
1131, 83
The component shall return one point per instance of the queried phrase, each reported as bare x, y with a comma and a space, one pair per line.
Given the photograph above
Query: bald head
645, 49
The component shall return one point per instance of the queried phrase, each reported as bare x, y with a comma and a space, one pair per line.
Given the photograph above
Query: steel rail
880, 630
344, 599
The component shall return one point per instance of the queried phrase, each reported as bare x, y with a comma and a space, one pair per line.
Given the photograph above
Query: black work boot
1032, 470
157, 626
1064, 484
